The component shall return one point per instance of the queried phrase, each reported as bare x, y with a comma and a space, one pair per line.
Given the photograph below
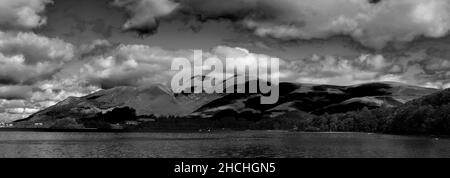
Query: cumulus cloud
35, 47
141, 65
22, 14
373, 24
337, 70
129, 65
27, 57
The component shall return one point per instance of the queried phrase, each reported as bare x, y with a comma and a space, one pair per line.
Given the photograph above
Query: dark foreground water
246, 144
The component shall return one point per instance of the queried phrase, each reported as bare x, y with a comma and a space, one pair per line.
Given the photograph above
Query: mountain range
159, 100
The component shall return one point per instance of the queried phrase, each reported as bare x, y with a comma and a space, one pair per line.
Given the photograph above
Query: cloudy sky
53, 49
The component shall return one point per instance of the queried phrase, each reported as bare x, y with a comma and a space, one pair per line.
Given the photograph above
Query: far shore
194, 131
87, 130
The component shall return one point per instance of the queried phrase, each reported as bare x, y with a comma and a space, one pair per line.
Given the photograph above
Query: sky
53, 49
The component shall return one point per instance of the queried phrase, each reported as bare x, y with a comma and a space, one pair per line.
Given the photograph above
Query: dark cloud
144, 14
125, 79
5, 80
11, 92
233, 10
374, 1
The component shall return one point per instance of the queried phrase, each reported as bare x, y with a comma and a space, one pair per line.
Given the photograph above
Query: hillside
427, 115
321, 99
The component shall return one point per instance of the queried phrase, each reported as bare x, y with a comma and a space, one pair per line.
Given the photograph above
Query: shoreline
197, 131
90, 130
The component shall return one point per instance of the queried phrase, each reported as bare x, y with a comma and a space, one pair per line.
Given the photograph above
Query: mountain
154, 100
159, 100
320, 99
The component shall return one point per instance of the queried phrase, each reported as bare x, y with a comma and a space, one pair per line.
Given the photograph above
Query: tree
66, 123
119, 115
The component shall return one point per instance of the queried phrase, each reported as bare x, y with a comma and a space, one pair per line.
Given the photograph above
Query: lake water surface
244, 144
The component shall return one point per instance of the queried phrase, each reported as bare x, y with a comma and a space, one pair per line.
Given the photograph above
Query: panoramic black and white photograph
225, 79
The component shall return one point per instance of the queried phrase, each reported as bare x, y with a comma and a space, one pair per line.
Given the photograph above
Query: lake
233, 144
